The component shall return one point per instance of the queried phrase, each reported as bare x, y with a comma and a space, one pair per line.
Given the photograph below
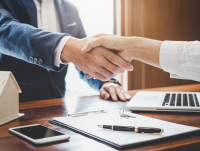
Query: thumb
92, 44
110, 42
125, 55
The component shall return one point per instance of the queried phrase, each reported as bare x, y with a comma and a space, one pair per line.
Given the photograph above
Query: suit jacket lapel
63, 14
65, 17
31, 10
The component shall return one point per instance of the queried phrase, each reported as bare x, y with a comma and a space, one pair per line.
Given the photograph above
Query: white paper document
88, 123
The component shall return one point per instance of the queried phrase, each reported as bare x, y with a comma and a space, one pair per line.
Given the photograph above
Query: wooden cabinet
163, 20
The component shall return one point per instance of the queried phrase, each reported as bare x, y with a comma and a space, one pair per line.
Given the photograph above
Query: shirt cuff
58, 51
169, 53
177, 77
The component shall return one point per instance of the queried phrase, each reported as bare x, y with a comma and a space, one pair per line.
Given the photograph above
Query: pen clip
153, 133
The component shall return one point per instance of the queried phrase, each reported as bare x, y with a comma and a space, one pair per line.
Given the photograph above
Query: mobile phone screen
38, 132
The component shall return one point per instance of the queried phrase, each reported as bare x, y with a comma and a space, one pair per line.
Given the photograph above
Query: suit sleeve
93, 83
24, 41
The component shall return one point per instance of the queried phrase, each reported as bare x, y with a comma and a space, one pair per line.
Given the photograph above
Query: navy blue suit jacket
20, 39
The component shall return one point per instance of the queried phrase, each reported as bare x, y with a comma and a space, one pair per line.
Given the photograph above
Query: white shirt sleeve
181, 59
58, 50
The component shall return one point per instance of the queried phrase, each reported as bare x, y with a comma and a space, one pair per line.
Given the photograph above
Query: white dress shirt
181, 59
47, 18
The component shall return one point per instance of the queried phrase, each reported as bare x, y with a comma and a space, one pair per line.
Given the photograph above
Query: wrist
69, 46
112, 81
137, 48
146, 50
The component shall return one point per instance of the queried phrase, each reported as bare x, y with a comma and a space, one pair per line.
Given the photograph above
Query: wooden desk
38, 112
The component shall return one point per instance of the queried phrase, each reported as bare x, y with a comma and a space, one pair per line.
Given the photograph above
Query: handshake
104, 56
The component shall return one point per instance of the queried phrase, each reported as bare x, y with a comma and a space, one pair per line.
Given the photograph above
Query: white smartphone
38, 134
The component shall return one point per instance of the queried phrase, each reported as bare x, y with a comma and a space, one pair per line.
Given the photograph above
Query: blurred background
157, 19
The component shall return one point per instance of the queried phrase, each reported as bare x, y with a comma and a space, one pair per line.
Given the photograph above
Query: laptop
165, 101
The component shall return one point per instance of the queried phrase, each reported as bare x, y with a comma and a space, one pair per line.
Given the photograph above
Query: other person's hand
118, 43
129, 48
114, 91
100, 62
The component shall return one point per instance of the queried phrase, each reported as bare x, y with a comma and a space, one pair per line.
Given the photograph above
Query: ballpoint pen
144, 130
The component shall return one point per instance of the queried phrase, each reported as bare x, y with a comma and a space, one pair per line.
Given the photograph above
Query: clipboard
86, 125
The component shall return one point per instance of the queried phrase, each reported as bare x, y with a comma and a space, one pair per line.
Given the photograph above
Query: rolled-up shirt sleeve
181, 59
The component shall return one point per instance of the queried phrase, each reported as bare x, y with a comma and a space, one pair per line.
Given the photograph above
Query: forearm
145, 50
24, 41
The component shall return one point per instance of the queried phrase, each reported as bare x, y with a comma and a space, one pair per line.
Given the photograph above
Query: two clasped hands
104, 56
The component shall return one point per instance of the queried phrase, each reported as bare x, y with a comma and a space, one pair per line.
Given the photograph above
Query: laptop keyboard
172, 102
180, 99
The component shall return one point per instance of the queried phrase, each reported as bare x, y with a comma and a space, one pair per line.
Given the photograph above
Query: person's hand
114, 91
129, 48
100, 62
122, 45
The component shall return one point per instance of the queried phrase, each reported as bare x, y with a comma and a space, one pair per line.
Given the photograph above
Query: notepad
87, 125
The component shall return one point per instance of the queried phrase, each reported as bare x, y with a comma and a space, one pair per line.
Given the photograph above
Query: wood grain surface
176, 20
38, 112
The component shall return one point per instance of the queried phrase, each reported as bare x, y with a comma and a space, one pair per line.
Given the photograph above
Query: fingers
116, 92
117, 60
92, 73
101, 64
102, 74
112, 67
98, 76
95, 69
105, 95
128, 97
120, 94
113, 94
103, 71
89, 76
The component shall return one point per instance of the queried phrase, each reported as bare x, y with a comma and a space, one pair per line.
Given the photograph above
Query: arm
130, 48
23, 41
180, 59
101, 63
